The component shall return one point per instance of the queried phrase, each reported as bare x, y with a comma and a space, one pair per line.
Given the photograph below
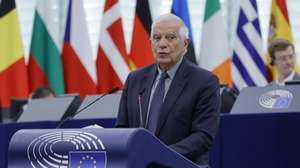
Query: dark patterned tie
156, 103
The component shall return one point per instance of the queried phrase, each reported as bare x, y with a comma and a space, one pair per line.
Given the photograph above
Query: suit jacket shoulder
198, 74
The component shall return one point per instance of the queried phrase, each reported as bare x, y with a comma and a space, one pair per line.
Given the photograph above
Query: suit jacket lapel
174, 91
145, 91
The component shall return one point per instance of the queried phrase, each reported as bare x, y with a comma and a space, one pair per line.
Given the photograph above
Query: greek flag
248, 68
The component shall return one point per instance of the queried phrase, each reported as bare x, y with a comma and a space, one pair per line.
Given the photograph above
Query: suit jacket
189, 117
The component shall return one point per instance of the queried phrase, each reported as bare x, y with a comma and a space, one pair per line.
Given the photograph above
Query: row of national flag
250, 64
70, 68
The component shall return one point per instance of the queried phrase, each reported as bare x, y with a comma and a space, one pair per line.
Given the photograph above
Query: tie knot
164, 75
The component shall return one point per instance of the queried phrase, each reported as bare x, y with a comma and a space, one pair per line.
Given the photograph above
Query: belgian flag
13, 73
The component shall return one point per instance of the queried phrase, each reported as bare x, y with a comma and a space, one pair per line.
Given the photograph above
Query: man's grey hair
183, 30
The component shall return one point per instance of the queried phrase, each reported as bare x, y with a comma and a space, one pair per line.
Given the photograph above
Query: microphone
142, 125
113, 90
140, 112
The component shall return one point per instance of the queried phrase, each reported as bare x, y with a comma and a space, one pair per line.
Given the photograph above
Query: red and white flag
112, 58
79, 66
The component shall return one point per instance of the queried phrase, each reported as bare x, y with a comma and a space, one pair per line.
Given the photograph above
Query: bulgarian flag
214, 53
79, 66
45, 67
279, 28
13, 73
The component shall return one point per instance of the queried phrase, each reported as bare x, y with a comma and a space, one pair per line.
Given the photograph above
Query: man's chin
162, 58
164, 64
163, 61
287, 73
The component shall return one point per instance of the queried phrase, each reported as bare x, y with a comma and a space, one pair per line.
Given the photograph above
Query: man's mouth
162, 53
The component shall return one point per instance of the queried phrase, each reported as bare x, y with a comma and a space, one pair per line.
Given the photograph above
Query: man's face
167, 45
284, 61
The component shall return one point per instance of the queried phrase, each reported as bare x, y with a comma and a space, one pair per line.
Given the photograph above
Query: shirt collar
289, 78
172, 71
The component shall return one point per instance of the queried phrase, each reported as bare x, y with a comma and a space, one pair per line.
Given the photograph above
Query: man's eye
155, 38
170, 37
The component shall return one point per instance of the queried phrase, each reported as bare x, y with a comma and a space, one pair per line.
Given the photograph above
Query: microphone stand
113, 90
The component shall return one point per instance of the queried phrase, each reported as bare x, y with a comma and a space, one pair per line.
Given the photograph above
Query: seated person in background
19, 105
42, 92
282, 53
177, 101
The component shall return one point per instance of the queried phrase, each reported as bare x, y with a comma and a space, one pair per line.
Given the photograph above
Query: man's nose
162, 43
290, 61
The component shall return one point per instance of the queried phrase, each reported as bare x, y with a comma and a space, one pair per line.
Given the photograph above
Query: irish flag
45, 67
214, 53
13, 73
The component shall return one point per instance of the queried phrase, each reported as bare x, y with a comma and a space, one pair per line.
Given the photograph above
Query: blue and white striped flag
248, 67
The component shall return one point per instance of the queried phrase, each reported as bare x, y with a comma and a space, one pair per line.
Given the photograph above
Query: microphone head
113, 90
142, 91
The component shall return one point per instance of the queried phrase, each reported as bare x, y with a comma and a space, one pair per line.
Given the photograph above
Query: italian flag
214, 53
45, 67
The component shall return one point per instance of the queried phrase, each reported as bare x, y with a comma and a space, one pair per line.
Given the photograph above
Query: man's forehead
166, 28
158, 32
289, 49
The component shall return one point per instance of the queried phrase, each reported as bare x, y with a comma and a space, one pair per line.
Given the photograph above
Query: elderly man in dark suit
174, 99
282, 53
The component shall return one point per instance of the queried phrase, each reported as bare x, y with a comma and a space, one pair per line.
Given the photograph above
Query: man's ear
186, 42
